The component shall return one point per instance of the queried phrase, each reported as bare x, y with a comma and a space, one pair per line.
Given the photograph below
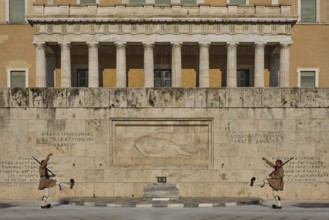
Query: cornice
232, 19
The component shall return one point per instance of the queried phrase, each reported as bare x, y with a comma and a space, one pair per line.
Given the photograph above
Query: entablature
163, 28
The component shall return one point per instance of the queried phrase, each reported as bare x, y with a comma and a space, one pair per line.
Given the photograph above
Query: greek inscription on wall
256, 138
64, 139
23, 170
306, 169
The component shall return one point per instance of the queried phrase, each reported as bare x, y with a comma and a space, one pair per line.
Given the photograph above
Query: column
93, 71
65, 64
176, 64
232, 65
204, 65
41, 79
284, 64
121, 65
259, 65
148, 65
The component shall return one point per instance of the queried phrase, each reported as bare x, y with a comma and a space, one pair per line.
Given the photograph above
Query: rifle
46, 167
281, 166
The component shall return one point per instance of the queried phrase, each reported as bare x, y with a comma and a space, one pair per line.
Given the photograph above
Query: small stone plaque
161, 179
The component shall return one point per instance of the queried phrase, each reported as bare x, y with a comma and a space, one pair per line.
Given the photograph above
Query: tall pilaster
204, 65
284, 64
232, 64
121, 68
259, 65
176, 64
65, 64
93, 71
148, 65
41, 79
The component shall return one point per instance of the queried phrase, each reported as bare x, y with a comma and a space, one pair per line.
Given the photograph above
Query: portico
205, 32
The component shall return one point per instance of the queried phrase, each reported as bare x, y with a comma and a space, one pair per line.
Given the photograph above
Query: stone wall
209, 141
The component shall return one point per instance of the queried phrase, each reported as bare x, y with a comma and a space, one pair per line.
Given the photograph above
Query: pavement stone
187, 202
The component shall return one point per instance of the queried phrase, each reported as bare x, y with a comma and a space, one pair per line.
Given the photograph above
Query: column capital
176, 44
64, 44
285, 44
120, 44
148, 44
204, 44
259, 44
39, 43
232, 44
92, 44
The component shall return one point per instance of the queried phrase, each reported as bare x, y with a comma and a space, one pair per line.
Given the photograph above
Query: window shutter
17, 79
308, 10
16, 11
238, 2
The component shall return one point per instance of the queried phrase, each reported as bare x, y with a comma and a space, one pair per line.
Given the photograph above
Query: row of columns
149, 65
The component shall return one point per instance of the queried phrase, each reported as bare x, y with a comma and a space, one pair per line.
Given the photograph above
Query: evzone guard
46, 182
275, 180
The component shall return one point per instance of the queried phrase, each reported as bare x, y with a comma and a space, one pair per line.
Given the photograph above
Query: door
82, 78
243, 78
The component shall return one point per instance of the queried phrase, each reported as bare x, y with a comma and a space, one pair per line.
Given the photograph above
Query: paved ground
296, 210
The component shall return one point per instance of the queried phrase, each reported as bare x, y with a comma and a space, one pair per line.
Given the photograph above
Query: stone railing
164, 98
149, 10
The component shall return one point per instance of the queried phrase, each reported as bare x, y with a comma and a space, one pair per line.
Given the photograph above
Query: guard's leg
277, 199
45, 198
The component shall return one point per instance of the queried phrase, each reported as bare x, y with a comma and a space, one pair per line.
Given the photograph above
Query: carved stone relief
168, 142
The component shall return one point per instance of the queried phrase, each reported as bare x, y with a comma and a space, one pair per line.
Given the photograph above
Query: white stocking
276, 197
45, 197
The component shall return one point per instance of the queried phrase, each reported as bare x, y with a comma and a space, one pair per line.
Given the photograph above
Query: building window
238, 2
136, 2
308, 78
308, 11
87, 1
17, 78
162, 2
188, 2
16, 11
275, 2
162, 78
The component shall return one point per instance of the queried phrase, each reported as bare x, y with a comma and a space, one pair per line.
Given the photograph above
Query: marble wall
209, 141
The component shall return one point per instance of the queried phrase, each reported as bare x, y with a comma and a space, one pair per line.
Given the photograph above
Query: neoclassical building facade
222, 43
197, 91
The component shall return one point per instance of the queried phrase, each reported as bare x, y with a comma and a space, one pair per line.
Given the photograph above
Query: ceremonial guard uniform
46, 182
275, 181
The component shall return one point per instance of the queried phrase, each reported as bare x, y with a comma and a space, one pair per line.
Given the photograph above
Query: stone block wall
209, 141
